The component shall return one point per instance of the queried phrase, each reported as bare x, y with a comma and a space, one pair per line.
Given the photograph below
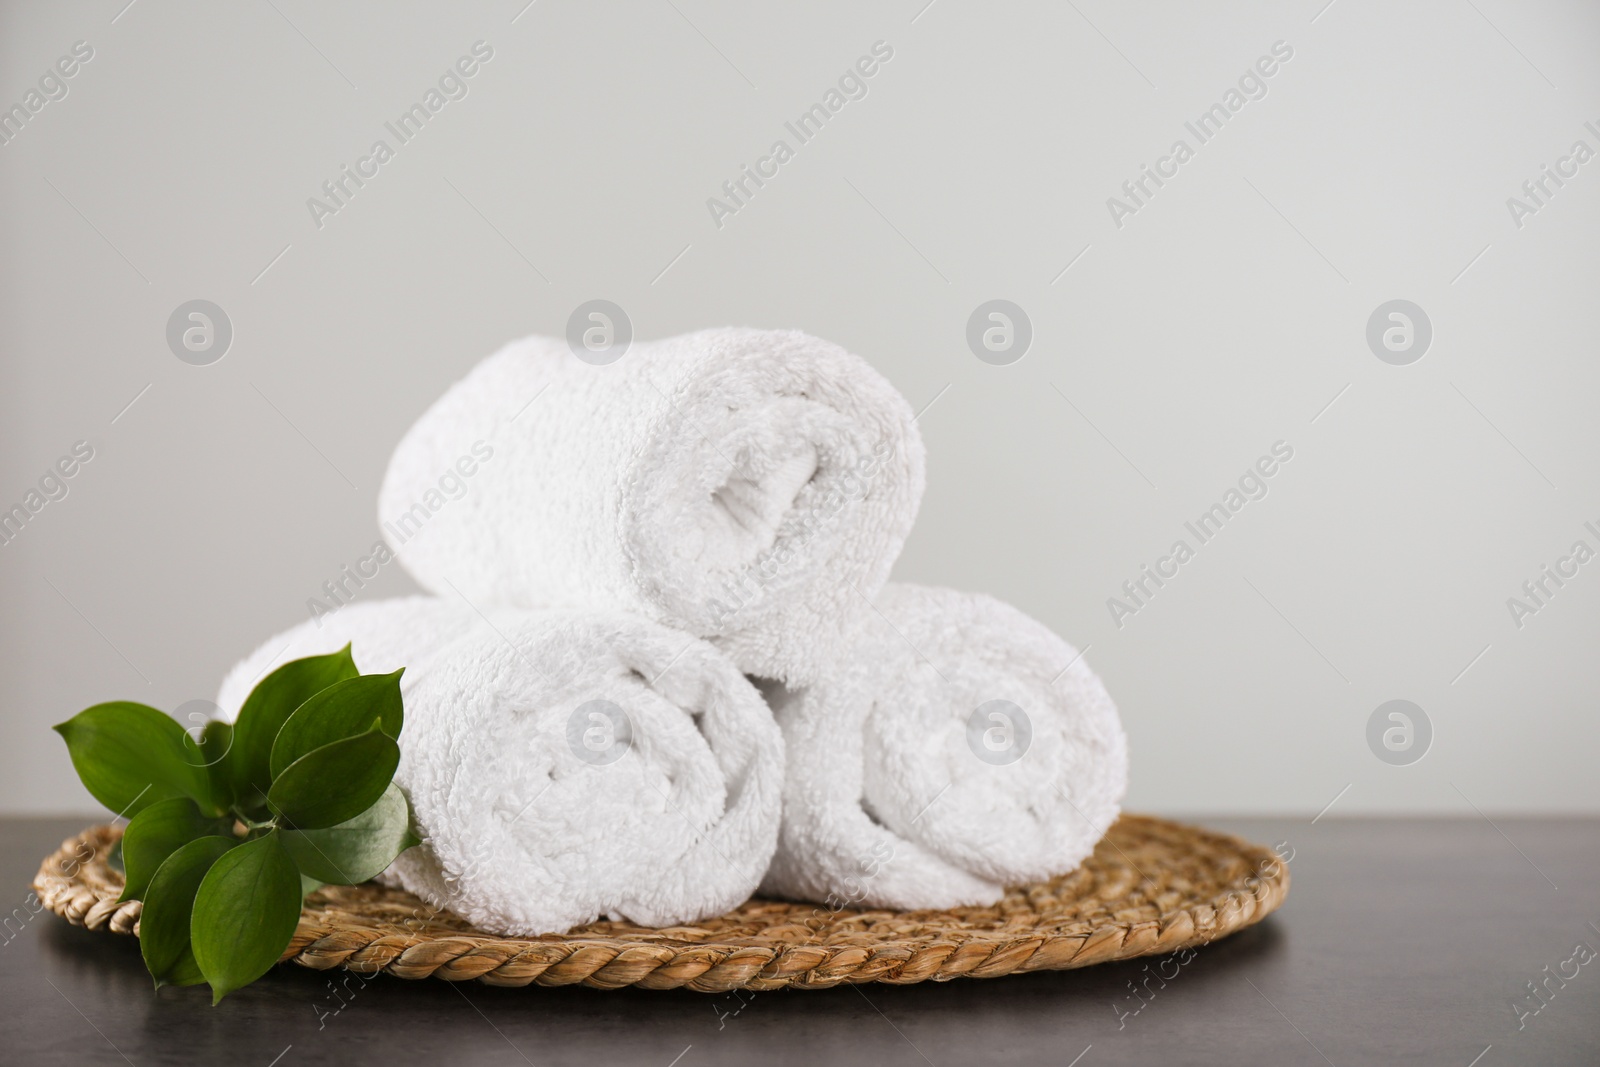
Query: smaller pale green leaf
156, 833
336, 782
359, 848
245, 914
169, 900
130, 755
342, 710
309, 886
269, 705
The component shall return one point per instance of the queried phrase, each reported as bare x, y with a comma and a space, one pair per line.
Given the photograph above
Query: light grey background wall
1227, 312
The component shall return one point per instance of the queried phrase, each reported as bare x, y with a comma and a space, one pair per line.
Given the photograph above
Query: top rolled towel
751, 487
562, 766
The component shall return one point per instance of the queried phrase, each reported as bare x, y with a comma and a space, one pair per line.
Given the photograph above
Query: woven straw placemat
1152, 887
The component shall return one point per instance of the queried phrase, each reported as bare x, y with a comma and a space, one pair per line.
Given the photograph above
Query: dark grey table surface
1402, 941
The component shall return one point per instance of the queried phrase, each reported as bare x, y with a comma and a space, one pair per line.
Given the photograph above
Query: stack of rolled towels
661, 667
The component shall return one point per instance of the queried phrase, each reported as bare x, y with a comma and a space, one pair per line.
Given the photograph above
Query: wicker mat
1152, 887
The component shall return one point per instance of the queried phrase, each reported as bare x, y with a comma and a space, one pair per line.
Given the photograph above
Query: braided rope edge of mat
660, 962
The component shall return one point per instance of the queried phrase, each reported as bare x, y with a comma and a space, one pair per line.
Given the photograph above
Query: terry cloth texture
563, 766
960, 747
752, 487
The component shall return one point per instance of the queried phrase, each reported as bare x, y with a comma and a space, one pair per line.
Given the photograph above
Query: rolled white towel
384, 636
960, 748
563, 766
750, 487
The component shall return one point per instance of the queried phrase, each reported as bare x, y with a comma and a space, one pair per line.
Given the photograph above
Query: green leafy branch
227, 834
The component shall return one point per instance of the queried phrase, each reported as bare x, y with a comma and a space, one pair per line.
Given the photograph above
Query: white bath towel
752, 487
563, 766
960, 748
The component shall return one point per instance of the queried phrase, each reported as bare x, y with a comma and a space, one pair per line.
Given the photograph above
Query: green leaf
130, 756
156, 833
336, 782
308, 886
245, 914
164, 923
342, 710
357, 849
270, 704
210, 754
